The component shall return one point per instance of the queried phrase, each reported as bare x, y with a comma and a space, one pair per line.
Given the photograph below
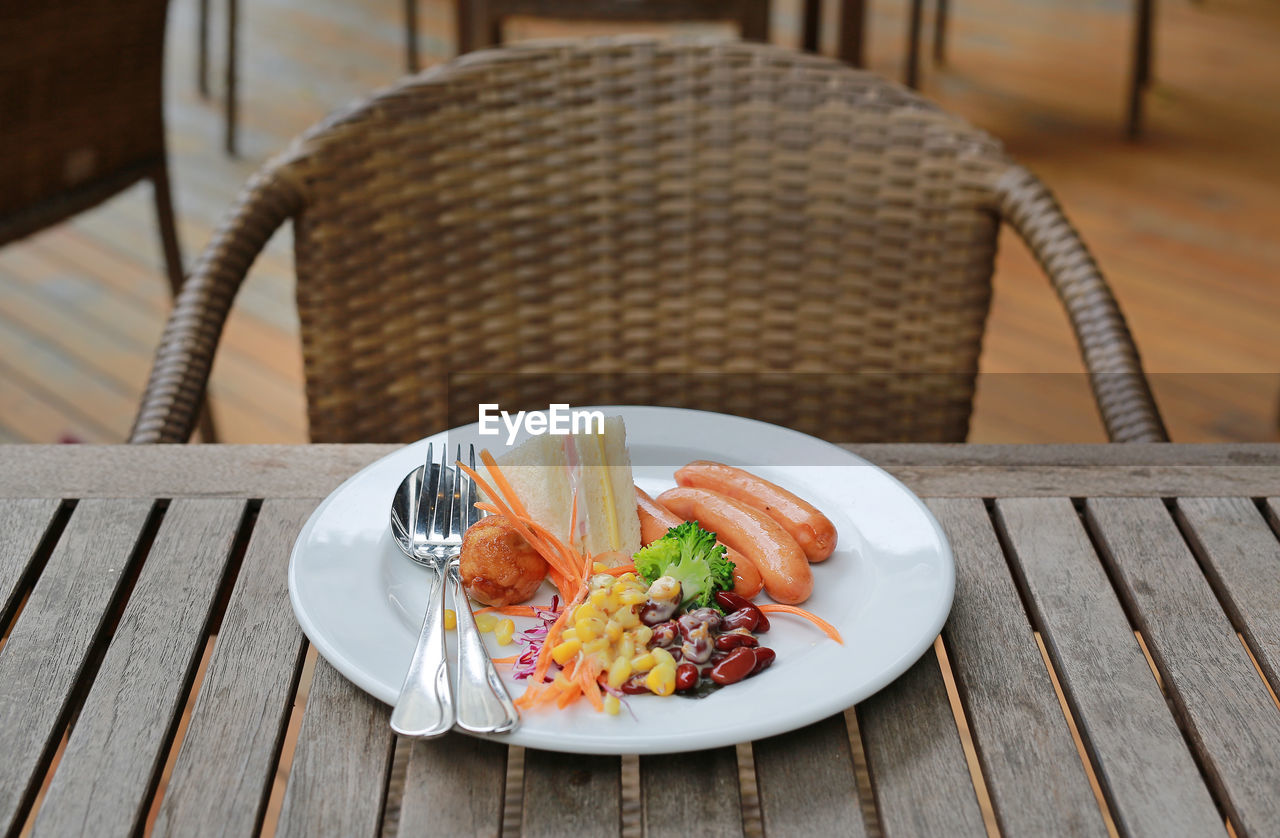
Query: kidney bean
707, 615
764, 657
634, 685
654, 613
686, 676
718, 656
729, 642
664, 635
743, 618
697, 646
738, 665
730, 601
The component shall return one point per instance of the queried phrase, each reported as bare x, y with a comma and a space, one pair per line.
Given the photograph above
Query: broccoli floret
691, 555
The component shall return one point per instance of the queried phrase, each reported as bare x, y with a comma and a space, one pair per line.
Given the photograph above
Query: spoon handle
425, 707
484, 705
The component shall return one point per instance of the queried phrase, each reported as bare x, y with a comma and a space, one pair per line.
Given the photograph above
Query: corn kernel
632, 597
598, 599
626, 649
503, 631
661, 680
627, 618
643, 663
612, 705
565, 652
619, 671
613, 631
641, 634
569, 634
450, 619
627, 577
586, 611
611, 604
589, 628
595, 647
663, 656
486, 622
599, 567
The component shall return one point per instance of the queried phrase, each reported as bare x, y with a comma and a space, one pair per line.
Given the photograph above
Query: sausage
812, 530
782, 564
656, 519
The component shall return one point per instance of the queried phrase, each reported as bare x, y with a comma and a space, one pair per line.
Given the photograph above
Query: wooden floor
1184, 222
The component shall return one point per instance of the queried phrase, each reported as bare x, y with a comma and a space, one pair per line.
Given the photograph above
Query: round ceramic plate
887, 588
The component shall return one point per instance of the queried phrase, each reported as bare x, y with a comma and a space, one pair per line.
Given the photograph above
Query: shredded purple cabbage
533, 640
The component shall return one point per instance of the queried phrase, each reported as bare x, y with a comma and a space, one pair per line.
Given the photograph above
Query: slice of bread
544, 471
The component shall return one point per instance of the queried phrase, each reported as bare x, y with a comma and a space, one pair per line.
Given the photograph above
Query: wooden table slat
1152, 782
23, 525
308, 471
53, 639
807, 783
338, 780
695, 793
568, 795
227, 762
1029, 760
453, 785
104, 781
1241, 555
1231, 718
917, 764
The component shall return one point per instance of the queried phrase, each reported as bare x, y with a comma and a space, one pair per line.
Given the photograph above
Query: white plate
887, 588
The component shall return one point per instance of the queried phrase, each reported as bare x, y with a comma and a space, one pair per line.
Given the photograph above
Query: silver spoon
483, 704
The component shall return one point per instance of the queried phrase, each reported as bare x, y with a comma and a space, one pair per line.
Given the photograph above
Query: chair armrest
1115, 370
180, 372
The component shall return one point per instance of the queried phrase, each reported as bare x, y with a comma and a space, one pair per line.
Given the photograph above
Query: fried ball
498, 566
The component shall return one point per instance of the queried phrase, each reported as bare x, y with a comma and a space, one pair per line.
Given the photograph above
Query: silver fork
444, 509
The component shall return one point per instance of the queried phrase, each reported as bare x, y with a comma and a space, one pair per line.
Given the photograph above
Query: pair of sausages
777, 533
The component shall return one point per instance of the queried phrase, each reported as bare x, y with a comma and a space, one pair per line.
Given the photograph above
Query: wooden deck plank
1149, 777
569, 795
1229, 715
1241, 556
453, 785
23, 525
308, 471
54, 638
338, 781
806, 781
696, 791
227, 761
1033, 773
917, 764
105, 778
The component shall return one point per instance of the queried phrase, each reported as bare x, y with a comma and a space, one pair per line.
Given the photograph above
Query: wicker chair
728, 226
81, 115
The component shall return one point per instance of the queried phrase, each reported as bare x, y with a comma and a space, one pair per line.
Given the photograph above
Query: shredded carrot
510, 610
499, 478
511, 659
621, 569
800, 612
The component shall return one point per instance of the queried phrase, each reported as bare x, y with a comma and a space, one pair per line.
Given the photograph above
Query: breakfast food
782, 564
812, 530
498, 566
547, 472
656, 520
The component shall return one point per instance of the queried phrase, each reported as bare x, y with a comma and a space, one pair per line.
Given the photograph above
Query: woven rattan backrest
731, 227
80, 102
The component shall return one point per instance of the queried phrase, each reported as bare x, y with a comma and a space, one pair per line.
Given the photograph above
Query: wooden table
118, 564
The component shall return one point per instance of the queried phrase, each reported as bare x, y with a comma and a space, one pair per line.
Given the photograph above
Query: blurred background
1182, 220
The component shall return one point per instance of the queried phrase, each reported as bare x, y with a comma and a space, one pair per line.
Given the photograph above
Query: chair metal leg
811, 23
853, 27
202, 49
233, 14
911, 72
1140, 78
940, 32
411, 35
173, 267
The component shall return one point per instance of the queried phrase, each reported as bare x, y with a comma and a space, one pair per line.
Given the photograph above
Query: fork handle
484, 705
425, 707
